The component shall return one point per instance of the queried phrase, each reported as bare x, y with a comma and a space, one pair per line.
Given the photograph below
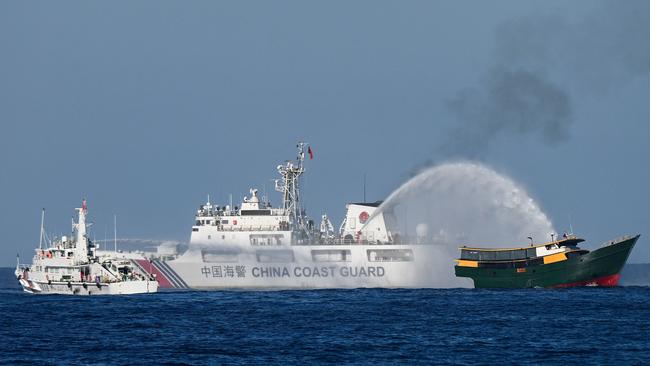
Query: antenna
570, 225
40, 239
115, 232
364, 187
264, 198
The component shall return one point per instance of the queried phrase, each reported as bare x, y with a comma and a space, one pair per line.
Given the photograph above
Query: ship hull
88, 288
402, 266
600, 267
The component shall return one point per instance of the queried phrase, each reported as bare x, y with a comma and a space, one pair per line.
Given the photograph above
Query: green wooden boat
559, 263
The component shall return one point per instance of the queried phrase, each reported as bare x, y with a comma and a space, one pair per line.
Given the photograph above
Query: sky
146, 107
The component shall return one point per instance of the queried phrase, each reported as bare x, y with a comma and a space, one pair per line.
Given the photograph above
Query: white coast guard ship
71, 265
256, 245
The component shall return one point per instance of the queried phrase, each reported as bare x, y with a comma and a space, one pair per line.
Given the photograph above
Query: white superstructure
72, 265
256, 245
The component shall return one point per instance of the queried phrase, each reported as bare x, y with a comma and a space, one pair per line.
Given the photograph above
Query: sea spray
463, 203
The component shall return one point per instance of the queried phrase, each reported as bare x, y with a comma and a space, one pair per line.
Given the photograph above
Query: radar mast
289, 186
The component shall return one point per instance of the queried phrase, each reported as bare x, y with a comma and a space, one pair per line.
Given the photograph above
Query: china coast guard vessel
72, 265
256, 245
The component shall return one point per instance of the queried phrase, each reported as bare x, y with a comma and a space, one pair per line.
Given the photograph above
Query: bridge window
275, 256
469, 254
219, 256
331, 255
390, 255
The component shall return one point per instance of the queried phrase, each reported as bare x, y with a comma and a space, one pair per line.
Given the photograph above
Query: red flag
311, 154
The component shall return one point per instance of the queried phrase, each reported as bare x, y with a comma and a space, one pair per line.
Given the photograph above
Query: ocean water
364, 326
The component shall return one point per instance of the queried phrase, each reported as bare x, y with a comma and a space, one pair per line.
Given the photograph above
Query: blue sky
145, 107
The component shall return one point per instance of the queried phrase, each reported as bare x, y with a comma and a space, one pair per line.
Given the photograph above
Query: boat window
255, 212
487, 256
266, 239
390, 255
519, 254
275, 256
506, 255
219, 256
331, 255
497, 255
469, 254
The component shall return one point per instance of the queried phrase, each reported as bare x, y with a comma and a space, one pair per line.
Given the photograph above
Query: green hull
599, 267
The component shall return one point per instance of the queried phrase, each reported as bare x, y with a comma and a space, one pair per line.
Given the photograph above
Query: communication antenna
265, 199
570, 225
40, 239
115, 232
364, 187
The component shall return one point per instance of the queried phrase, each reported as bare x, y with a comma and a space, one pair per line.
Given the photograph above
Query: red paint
363, 217
607, 281
163, 282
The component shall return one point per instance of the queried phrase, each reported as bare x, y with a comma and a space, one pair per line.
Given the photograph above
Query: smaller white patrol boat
70, 265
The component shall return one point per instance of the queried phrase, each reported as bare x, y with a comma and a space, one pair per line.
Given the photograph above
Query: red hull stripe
163, 282
607, 281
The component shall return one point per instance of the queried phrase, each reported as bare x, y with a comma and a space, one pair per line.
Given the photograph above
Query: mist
462, 203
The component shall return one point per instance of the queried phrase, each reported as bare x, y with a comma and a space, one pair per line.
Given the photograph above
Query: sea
361, 326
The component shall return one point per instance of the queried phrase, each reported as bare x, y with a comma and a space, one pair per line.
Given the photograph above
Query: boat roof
569, 241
